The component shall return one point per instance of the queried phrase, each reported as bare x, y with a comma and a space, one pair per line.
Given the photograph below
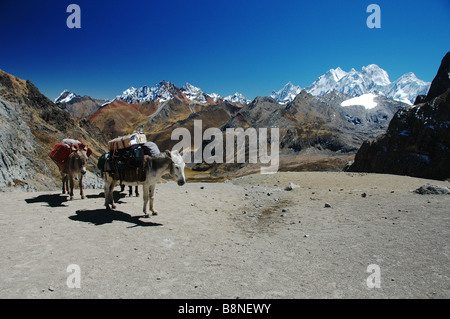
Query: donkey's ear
176, 152
168, 153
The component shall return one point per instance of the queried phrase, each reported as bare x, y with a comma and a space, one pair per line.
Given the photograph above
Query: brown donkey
74, 166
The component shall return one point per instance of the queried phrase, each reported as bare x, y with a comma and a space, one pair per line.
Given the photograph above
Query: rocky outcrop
417, 142
441, 83
17, 142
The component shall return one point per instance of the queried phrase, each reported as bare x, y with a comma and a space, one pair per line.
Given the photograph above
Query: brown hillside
119, 118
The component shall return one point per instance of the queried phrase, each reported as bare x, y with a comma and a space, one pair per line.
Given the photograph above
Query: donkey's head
79, 159
177, 166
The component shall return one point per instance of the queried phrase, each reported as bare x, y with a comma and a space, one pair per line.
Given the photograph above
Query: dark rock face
417, 142
441, 83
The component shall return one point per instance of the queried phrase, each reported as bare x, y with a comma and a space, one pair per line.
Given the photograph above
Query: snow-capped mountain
165, 91
78, 106
65, 97
237, 98
287, 93
215, 97
406, 88
375, 77
158, 92
371, 79
193, 93
325, 83
353, 83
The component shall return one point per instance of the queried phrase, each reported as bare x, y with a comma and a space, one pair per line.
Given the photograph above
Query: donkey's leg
64, 182
107, 191
81, 186
130, 191
152, 195
111, 193
70, 177
145, 190
67, 184
136, 191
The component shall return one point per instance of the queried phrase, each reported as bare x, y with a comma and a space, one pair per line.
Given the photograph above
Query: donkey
75, 165
154, 167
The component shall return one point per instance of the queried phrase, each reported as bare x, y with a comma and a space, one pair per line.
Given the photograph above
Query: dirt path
246, 238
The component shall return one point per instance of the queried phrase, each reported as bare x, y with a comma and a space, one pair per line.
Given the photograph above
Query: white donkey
154, 168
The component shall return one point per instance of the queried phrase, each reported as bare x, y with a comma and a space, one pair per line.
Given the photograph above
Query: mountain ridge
371, 79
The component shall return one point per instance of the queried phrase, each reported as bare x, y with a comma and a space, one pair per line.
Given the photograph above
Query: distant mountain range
371, 79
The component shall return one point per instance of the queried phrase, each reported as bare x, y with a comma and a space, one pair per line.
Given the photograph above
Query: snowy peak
286, 94
371, 79
194, 94
159, 92
375, 76
65, 97
215, 97
165, 91
410, 77
237, 98
337, 73
327, 82
406, 88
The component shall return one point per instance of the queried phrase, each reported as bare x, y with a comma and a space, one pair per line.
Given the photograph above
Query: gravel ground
251, 237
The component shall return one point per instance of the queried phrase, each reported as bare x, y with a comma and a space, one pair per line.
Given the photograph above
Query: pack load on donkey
71, 157
127, 152
61, 151
127, 141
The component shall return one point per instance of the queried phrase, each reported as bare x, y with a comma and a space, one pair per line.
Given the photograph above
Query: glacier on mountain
366, 100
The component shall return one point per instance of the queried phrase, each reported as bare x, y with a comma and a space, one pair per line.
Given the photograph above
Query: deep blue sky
250, 46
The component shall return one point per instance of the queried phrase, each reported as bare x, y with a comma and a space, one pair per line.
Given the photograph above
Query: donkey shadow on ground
58, 200
117, 196
104, 216
52, 200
